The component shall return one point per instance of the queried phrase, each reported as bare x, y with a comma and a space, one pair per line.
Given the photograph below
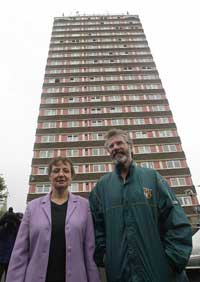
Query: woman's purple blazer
29, 258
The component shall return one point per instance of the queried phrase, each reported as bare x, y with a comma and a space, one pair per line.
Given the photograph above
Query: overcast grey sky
172, 30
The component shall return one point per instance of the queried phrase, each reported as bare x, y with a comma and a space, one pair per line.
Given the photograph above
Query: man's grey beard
122, 159
122, 165
119, 160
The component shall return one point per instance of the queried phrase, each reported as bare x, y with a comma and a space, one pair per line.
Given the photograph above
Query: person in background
55, 242
9, 225
142, 233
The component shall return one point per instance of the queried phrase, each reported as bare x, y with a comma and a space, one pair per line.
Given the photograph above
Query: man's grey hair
117, 132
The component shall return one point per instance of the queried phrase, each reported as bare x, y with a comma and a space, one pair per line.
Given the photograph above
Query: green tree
3, 189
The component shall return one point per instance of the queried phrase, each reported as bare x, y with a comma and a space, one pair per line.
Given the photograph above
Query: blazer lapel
46, 206
72, 205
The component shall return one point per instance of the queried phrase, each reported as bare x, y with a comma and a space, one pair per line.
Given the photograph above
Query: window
95, 98
158, 108
52, 112
48, 138
96, 122
161, 120
165, 133
116, 109
133, 98
53, 90
73, 89
173, 164
49, 124
139, 121
114, 98
76, 168
43, 188
113, 87
178, 181
46, 154
73, 123
74, 187
144, 149
147, 164
51, 101
73, 99
97, 136
95, 110
73, 111
140, 134
99, 168
71, 138
169, 148
42, 170
154, 97
146, 67
94, 88
136, 109
72, 153
117, 122
185, 201
98, 151
132, 87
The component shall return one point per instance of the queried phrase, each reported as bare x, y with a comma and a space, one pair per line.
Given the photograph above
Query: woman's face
60, 176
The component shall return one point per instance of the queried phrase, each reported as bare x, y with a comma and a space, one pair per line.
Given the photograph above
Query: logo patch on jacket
147, 192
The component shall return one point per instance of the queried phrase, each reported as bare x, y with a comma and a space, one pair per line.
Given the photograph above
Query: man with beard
141, 231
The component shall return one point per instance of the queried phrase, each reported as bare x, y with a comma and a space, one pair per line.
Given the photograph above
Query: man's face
60, 175
119, 150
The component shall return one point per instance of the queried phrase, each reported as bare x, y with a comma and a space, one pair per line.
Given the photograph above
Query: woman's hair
64, 160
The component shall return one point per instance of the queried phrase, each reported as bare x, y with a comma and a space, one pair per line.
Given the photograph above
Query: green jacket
140, 228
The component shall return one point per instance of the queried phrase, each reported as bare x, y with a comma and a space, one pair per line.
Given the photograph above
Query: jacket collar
72, 204
46, 206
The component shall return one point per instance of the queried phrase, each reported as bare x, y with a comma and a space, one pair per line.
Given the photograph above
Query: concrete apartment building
100, 74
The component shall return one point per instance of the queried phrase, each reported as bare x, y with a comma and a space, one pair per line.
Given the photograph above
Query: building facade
100, 74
